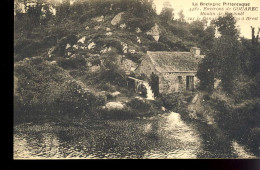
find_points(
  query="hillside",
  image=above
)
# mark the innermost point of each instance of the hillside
(94, 43)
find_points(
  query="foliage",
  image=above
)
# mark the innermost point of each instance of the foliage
(172, 101)
(239, 120)
(139, 105)
(166, 14)
(44, 88)
(181, 16)
(110, 71)
(224, 60)
(154, 83)
(226, 25)
(76, 62)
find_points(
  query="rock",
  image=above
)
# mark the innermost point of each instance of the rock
(53, 62)
(97, 27)
(132, 51)
(91, 45)
(108, 29)
(114, 106)
(156, 37)
(95, 68)
(115, 94)
(105, 50)
(109, 33)
(50, 52)
(98, 19)
(52, 10)
(75, 47)
(163, 109)
(116, 20)
(125, 48)
(68, 46)
(83, 47)
(155, 32)
(82, 40)
(138, 30)
(216, 82)
(87, 28)
(138, 40)
(122, 26)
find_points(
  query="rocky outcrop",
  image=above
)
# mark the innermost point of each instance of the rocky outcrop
(154, 32)
(82, 40)
(91, 45)
(116, 20)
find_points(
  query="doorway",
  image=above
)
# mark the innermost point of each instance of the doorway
(190, 83)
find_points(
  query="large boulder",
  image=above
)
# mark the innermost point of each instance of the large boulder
(114, 106)
(116, 20)
(154, 32)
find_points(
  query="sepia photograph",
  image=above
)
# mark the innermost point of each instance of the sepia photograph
(136, 79)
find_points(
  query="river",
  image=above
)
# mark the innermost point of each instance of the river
(164, 136)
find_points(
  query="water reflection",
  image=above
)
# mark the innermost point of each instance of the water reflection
(161, 136)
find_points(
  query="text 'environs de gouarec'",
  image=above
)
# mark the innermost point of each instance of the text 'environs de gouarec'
(236, 6)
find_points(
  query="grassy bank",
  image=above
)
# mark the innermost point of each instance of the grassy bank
(228, 120)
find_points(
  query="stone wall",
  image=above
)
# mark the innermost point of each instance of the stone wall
(146, 67)
(170, 82)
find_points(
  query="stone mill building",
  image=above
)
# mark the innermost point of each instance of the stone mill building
(176, 71)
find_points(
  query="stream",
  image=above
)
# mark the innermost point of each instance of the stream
(164, 136)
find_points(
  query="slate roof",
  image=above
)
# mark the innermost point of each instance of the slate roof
(165, 61)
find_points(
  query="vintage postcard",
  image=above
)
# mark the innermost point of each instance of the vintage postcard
(136, 79)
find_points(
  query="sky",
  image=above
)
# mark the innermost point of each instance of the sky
(243, 26)
(186, 5)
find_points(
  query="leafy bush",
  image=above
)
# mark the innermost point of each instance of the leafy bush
(246, 88)
(139, 105)
(173, 101)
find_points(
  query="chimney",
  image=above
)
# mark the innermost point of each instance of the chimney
(195, 51)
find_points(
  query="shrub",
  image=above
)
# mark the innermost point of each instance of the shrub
(45, 89)
(139, 105)
(173, 101)
(246, 88)
(125, 113)
(158, 46)
(72, 62)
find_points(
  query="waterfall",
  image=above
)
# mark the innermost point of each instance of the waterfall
(150, 95)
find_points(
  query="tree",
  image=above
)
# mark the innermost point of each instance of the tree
(224, 59)
(154, 83)
(181, 16)
(207, 39)
(166, 14)
(226, 25)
